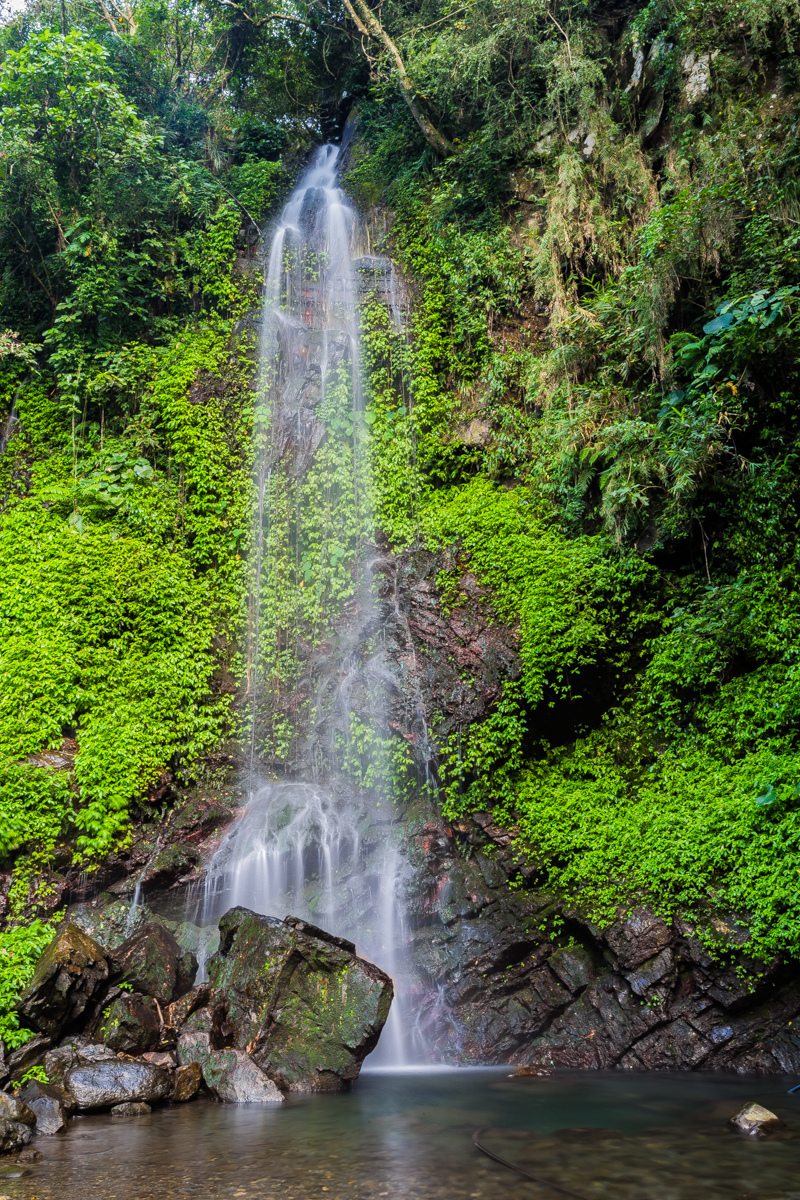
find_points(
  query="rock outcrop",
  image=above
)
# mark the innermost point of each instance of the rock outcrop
(301, 1001)
(525, 980)
(71, 975)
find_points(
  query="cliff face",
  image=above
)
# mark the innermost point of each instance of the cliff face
(517, 975)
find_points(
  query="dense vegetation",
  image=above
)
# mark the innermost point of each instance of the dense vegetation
(593, 398)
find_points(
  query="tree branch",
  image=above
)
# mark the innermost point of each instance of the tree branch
(258, 22)
(370, 26)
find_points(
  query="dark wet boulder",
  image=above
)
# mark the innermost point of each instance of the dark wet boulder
(235, 1078)
(30, 1054)
(71, 976)
(180, 1010)
(71, 1053)
(116, 1081)
(131, 1024)
(153, 963)
(15, 1109)
(301, 1002)
(188, 1081)
(13, 1136)
(50, 1105)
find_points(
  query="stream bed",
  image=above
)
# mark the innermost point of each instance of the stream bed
(407, 1135)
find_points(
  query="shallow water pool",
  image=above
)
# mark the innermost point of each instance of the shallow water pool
(408, 1134)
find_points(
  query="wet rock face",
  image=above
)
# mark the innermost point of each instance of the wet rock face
(188, 1080)
(519, 979)
(454, 665)
(131, 1024)
(72, 972)
(50, 1106)
(152, 962)
(235, 1078)
(114, 1081)
(15, 1109)
(13, 1136)
(301, 1002)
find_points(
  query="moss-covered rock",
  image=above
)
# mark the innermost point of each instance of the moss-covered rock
(302, 1002)
(73, 971)
(152, 962)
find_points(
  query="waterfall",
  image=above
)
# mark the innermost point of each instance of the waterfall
(318, 836)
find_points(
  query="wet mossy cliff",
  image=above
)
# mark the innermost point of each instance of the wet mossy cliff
(581, 376)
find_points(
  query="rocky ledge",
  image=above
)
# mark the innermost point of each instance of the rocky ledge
(287, 1007)
(519, 977)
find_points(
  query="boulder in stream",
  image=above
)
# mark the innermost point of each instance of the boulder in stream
(234, 1078)
(756, 1120)
(13, 1136)
(50, 1105)
(117, 1081)
(302, 1003)
(70, 1053)
(72, 972)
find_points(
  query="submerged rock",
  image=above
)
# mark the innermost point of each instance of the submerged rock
(303, 1004)
(154, 964)
(756, 1120)
(73, 971)
(103, 1084)
(134, 1108)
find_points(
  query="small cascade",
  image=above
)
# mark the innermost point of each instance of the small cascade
(8, 427)
(320, 841)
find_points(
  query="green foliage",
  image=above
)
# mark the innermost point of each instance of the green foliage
(20, 949)
(259, 185)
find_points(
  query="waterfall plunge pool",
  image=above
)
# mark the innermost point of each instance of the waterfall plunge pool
(407, 1135)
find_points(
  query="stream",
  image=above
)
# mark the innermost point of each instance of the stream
(407, 1135)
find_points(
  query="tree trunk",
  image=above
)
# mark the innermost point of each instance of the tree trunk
(371, 27)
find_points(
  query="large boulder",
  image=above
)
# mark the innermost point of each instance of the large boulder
(71, 1053)
(152, 962)
(302, 1003)
(71, 975)
(131, 1024)
(115, 1081)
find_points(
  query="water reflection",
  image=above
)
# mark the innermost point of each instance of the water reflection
(408, 1135)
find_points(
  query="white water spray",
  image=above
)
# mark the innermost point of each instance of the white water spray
(319, 847)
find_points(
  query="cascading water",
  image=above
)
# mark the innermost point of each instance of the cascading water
(319, 844)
